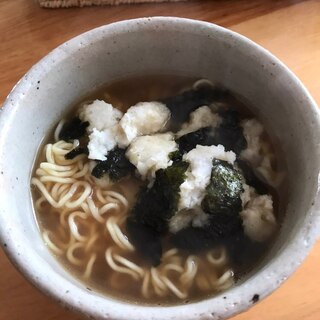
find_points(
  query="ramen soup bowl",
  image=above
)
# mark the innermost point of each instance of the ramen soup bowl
(149, 46)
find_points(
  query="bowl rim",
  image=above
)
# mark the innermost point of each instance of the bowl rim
(217, 307)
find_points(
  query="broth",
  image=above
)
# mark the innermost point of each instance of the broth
(88, 260)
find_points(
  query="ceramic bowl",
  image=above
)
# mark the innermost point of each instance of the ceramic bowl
(158, 46)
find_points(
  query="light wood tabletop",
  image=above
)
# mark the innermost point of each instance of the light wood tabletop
(290, 29)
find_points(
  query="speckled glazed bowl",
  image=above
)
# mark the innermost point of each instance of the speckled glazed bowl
(158, 46)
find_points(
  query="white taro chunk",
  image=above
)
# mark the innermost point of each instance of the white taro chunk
(252, 131)
(151, 153)
(259, 222)
(246, 194)
(195, 217)
(266, 171)
(102, 118)
(200, 118)
(144, 118)
(100, 115)
(100, 143)
(193, 189)
(258, 152)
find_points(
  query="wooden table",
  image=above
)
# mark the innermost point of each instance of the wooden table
(289, 28)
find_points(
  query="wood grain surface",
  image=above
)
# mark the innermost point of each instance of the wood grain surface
(289, 29)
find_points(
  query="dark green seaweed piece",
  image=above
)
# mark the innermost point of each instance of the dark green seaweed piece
(156, 205)
(73, 129)
(251, 179)
(225, 230)
(186, 102)
(198, 239)
(224, 190)
(152, 209)
(148, 220)
(203, 136)
(243, 252)
(175, 156)
(75, 152)
(145, 240)
(116, 166)
(230, 133)
(230, 117)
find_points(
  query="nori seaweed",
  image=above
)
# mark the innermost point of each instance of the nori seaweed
(145, 240)
(75, 152)
(203, 136)
(219, 228)
(224, 190)
(73, 129)
(183, 104)
(230, 133)
(155, 206)
(116, 166)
